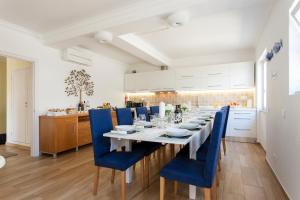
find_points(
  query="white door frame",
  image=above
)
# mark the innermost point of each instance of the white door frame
(261, 112)
(34, 148)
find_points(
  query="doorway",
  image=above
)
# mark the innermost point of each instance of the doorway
(18, 105)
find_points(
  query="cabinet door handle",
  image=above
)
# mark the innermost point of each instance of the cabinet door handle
(239, 113)
(242, 129)
(213, 86)
(240, 118)
(237, 85)
(214, 74)
(186, 76)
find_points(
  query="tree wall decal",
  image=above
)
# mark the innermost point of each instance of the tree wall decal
(79, 82)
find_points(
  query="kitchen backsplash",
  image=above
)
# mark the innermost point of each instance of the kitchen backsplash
(197, 99)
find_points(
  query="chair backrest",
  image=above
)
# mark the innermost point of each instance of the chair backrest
(124, 116)
(101, 122)
(213, 151)
(142, 111)
(154, 110)
(227, 110)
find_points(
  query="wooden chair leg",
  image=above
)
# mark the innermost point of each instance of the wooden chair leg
(214, 190)
(143, 173)
(159, 157)
(123, 185)
(218, 178)
(207, 193)
(172, 147)
(113, 174)
(147, 169)
(134, 167)
(175, 187)
(162, 188)
(96, 181)
(224, 145)
(164, 154)
(219, 162)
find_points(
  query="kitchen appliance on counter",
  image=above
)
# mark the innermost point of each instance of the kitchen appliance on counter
(132, 104)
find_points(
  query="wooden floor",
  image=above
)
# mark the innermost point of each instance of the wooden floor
(245, 175)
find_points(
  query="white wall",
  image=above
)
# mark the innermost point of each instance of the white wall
(50, 72)
(283, 142)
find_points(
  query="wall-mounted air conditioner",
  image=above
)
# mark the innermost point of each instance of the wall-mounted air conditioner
(78, 55)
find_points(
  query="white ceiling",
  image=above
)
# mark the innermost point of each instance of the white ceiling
(228, 30)
(216, 26)
(43, 16)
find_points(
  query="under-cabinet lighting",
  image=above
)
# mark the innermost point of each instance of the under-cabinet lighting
(216, 91)
(141, 94)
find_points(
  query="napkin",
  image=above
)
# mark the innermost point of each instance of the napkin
(119, 132)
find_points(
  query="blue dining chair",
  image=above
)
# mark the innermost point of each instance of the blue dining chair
(201, 153)
(227, 109)
(154, 110)
(194, 172)
(101, 122)
(143, 111)
(124, 117)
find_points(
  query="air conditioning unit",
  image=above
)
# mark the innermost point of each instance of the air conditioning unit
(78, 55)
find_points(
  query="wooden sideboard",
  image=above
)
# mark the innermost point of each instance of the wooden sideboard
(62, 133)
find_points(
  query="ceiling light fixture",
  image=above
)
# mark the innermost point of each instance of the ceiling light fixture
(178, 18)
(104, 37)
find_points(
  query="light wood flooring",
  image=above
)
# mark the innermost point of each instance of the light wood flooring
(245, 175)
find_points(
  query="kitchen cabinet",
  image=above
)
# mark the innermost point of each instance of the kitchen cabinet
(241, 75)
(62, 133)
(150, 81)
(242, 123)
(215, 77)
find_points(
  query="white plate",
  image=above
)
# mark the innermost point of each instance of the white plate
(196, 121)
(189, 125)
(143, 123)
(125, 128)
(177, 132)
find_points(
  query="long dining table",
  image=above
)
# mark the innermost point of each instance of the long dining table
(158, 135)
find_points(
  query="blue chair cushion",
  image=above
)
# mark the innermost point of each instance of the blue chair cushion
(154, 110)
(146, 147)
(119, 160)
(186, 171)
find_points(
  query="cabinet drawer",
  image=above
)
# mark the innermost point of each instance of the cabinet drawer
(84, 133)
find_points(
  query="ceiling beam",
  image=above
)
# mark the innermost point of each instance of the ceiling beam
(138, 11)
(136, 46)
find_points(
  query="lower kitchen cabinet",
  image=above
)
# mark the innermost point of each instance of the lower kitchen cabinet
(242, 124)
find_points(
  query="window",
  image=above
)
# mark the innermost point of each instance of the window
(294, 49)
(262, 82)
(264, 86)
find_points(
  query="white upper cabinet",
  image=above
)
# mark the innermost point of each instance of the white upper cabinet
(241, 75)
(150, 81)
(216, 77)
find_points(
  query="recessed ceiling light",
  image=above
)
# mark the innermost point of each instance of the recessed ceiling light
(104, 37)
(178, 18)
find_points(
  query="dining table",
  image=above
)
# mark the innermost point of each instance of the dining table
(158, 135)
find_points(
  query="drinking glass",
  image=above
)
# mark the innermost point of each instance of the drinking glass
(142, 117)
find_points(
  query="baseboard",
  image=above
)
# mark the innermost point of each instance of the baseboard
(241, 139)
(20, 146)
(277, 178)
